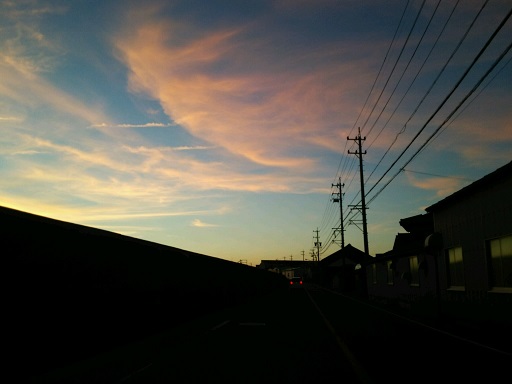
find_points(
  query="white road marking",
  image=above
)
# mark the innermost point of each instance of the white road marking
(252, 324)
(135, 373)
(220, 325)
(357, 367)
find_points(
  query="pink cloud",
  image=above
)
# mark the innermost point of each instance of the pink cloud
(443, 186)
(263, 114)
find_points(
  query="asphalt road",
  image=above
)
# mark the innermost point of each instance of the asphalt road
(307, 335)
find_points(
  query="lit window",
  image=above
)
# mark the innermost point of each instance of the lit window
(501, 262)
(455, 267)
(413, 268)
(390, 272)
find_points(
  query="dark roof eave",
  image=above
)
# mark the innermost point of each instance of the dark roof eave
(484, 182)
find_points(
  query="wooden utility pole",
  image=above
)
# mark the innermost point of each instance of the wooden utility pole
(339, 199)
(359, 153)
(318, 244)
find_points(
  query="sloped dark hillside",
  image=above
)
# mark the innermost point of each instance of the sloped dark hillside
(73, 290)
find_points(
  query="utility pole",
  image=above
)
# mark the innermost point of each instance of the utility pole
(302, 266)
(359, 153)
(336, 200)
(318, 244)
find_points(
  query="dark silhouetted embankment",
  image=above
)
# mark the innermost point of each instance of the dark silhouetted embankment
(73, 291)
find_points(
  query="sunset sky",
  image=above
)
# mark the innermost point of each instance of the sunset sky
(219, 127)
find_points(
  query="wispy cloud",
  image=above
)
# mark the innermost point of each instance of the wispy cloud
(189, 148)
(443, 186)
(201, 224)
(23, 45)
(156, 118)
(10, 119)
(146, 125)
(32, 92)
(265, 115)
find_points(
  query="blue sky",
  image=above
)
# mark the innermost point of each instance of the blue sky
(219, 127)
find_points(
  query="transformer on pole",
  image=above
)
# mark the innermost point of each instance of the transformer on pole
(339, 199)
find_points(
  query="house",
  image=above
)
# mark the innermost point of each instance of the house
(404, 277)
(455, 261)
(289, 268)
(343, 270)
(474, 229)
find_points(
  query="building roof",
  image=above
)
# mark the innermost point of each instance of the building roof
(284, 264)
(352, 256)
(502, 173)
(405, 244)
(422, 223)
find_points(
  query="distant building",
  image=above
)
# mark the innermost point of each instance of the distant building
(289, 268)
(344, 270)
(455, 261)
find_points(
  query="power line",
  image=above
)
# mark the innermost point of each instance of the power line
(348, 172)
(410, 86)
(433, 174)
(407, 65)
(381, 66)
(347, 217)
(348, 163)
(395, 64)
(476, 96)
(447, 97)
(504, 52)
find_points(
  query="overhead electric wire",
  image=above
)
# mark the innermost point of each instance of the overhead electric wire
(334, 228)
(382, 65)
(403, 72)
(341, 171)
(445, 99)
(331, 212)
(496, 62)
(350, 163)
(395, 64)
(351, 215)
(509, 47)
(328, 207)
(328, 243)
(406, 92)
(476, 96)
(328, 223)
(433, 174)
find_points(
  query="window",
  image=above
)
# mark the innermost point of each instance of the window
(413, 269)
(500, 255)
(390, 272)
(455, 267)
(374, 273)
